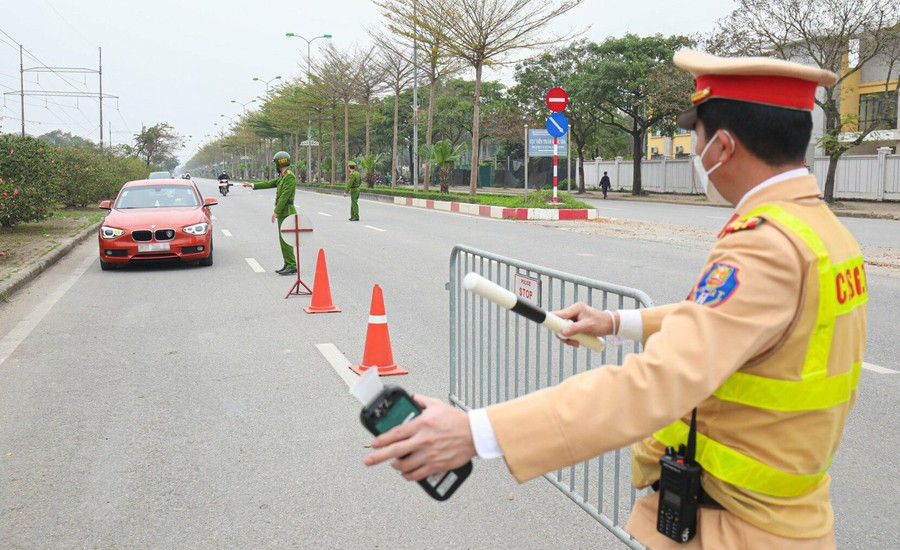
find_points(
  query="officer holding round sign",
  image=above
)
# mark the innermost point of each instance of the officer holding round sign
(285, 186)
(767, 347)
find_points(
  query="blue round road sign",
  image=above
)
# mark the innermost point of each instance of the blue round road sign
(557, 125)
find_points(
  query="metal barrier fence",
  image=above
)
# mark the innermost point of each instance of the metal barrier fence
(496, 355)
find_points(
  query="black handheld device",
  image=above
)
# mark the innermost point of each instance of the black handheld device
(393, 407)
(679, 489)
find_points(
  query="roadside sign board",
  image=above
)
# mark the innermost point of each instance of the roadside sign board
(557, 125)
(528, 289)
(556, 99)
(308, 143)
(540, 143)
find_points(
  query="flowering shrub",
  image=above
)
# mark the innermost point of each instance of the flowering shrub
(27, 174)
(37, 176)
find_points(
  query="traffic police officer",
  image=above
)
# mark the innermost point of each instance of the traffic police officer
(767, 346)
(285, 185)
(353, 183)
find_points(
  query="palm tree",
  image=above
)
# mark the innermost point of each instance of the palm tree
(370, 163)
(443, 155)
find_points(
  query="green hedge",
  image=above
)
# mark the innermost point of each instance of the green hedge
(536, 199)
(35, 175)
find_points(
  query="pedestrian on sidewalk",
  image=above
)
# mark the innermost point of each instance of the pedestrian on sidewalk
(353, 182)
(604, 184)
(285, 185)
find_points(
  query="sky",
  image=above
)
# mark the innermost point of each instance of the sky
(184, 61)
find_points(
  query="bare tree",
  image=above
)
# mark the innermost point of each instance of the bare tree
(369, 83)
(339, 72)
(397, 61)
(437, 65)
(843, 36)
(480, 33)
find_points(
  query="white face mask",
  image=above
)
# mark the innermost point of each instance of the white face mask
(711, 192)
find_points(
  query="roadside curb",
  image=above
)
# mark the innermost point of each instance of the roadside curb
(498, 212)
(29, 273)
(841, 212)
(501, 212)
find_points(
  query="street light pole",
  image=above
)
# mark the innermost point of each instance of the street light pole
(308, 82)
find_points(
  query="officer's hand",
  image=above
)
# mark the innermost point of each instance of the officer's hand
(587, 320)
(438, 440)
(246, 184)
(273, 217)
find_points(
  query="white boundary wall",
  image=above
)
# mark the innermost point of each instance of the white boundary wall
(870, 177)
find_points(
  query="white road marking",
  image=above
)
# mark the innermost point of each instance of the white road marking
(324, 214)
(254, 265)
(587, 254)
(226, 232)
(215, 218)
(376, 228)
(24, 327)
(339, 363)
(879, 370)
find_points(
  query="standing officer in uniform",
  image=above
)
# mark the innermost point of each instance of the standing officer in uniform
(767, 345)
(353, 183)
(286, 185)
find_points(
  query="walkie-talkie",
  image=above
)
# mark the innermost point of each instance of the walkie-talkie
(679, 489)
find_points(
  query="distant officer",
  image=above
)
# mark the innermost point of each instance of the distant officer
(286, 185)
(767, 346)
(353, 183)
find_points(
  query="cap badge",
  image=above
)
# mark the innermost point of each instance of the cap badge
(700, 95)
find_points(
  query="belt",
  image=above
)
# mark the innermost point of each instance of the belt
(705, 499)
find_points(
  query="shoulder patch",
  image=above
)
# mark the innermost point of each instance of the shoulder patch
(716, 285)
(742, 224)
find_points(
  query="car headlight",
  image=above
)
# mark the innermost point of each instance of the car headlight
(197, 229)
(108, 232)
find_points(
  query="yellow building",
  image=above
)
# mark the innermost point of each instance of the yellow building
(678, 146)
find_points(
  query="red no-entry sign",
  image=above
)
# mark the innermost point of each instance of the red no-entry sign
(557, 99)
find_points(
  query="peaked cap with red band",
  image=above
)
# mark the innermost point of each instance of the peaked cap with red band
(761, 80)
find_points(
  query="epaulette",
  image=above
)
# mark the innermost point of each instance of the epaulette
(740, 225)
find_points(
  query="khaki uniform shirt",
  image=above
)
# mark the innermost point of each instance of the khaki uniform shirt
(762, 327)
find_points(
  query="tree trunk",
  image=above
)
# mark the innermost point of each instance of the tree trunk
(833, 151)
(431, 88)
(476, 120)
(368, 123)
(580, 147)
(333, 145)
(319, 149)
(394, 147)
(445, 180)
(638, 136)
(346, 139)
(829, 177)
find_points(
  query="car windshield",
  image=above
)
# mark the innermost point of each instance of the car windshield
(157, 197)
(160, 176)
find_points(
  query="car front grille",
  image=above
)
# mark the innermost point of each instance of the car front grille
(142, 235)
(165, 234)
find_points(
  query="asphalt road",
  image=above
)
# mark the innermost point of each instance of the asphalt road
(178, 406)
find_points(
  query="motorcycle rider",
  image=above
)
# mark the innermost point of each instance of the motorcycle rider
(224, 183)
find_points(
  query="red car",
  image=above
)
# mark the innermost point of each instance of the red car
(156, 220)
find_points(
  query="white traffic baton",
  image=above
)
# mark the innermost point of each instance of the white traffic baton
(500, 296)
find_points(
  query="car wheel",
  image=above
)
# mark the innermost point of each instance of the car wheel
(106, 266)
(208, 261)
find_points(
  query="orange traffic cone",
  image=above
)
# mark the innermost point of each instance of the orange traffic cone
(378, 342)
(321, 295)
